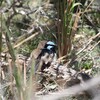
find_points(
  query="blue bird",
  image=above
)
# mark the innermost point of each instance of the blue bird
(50, 47)
(47, 55)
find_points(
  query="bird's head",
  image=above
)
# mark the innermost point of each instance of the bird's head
(51, 46)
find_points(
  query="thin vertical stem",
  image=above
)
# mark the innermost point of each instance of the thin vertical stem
(11, 50)
(65, 14)
(1, 36)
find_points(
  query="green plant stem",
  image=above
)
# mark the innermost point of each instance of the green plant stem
(12, 53)
(65, 13)
(1, 36)
(8, 42)
(0, 42)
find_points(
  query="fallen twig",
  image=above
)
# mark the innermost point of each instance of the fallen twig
(90, 40)
(95, 45)
(25, 40)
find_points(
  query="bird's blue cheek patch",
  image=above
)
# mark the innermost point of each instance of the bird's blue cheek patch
(49, 47)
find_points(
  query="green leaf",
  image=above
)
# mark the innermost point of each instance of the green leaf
(74, 5)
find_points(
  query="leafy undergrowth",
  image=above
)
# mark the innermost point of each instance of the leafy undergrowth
(84, 60)
(26, 24)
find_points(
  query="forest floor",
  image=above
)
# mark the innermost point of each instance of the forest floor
(85, 59)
